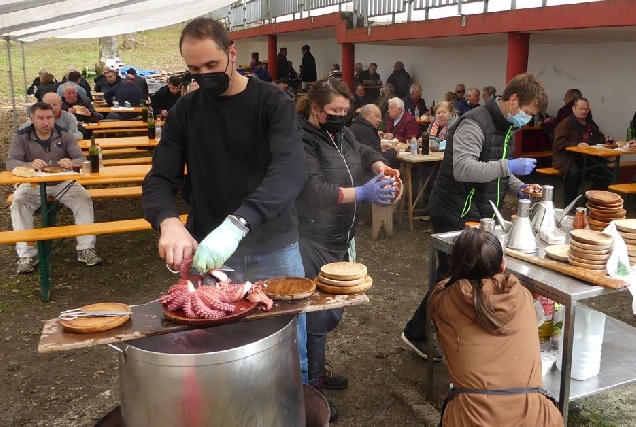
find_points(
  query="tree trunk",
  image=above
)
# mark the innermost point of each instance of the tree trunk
(108, 48)
(129, 41)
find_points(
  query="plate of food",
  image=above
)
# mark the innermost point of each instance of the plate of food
(82, 110)
(533, 190)
(52, 169)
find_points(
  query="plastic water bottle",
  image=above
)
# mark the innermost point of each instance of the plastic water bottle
(416, 113)
(413, 146)
(158, 128)
(101, 157)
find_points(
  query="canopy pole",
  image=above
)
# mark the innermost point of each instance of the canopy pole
(24, 72)
(15, 113)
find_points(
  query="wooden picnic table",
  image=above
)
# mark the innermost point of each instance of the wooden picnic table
(408, 160)
(599, 157)
(116, 125)
(123, 142)
(109, 109)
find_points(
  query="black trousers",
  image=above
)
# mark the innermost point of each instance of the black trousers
(415, 329)
(574, 178)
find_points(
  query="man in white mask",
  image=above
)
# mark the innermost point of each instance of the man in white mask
(478, 167)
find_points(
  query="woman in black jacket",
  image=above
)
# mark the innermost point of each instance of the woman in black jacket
(327, 206)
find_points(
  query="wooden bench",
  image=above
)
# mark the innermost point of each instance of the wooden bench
(118, 151)
(41, 235)
(128, 161)
(623, 188)
(107, 193)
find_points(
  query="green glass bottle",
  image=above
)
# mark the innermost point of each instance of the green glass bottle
(151, 124)
(630, 131)
(93, 155)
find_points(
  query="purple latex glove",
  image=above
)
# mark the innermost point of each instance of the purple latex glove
(522, 166)
(521, 194)
(378, 190)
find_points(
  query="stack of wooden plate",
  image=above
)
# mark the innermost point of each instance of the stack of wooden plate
(627, 230)
(343, 278)
(589, 249)
(603, 207)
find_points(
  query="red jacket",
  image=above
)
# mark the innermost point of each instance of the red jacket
(406, 128)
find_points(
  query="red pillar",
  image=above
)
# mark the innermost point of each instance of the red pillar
(272, 63)
(517, 63)
(348, 59)
(518, 49)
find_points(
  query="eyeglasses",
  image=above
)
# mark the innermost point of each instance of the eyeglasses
(461, 91)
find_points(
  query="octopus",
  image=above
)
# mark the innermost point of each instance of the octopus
(201, 301)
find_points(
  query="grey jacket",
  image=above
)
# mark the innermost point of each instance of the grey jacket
(25, 148)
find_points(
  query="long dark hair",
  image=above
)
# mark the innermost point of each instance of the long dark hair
(477, 255)
(321, 92)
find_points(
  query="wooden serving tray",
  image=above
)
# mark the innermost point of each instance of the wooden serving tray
(343, 270)
(89, 325)
(590, 237)
(603, 197)
(346, 290)
(288, 288)
(243, 308)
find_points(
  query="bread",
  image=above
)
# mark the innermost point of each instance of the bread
(24, 171)
(80, 109)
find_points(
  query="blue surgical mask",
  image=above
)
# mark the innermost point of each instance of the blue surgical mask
(520, 119)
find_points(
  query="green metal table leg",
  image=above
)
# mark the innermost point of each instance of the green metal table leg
(45, 248)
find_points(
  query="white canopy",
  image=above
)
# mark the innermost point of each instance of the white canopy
(31, 20)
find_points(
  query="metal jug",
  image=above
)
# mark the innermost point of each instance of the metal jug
(521, 237)
(543, 218)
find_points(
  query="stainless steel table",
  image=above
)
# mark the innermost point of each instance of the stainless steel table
(619, 342)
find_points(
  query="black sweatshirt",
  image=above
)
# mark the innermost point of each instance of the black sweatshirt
(244, 155)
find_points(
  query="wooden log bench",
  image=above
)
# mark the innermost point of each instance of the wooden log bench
(41, 235)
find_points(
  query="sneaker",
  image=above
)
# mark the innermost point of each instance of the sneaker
(27, 264)
(89, 257)
(331, 381)
(420, 347)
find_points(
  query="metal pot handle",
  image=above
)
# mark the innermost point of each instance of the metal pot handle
(122, 351)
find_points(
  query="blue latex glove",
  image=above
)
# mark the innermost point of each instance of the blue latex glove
(522, 166)
(378, 190)
(218, 246)
(521, 194)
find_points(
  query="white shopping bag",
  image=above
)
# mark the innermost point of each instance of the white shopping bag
(618, 265)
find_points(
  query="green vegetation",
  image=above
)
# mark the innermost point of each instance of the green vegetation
(156, 50)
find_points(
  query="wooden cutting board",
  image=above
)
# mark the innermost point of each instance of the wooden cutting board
(363, 287)
(585, 275)
(343, 270)
(88, 325)
(626, 225)
(590, 237)
(288, 288)
(558, 252)
(603, 197)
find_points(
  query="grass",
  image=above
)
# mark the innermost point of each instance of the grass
(156, 50)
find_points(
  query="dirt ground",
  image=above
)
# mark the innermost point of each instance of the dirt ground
(76, 388)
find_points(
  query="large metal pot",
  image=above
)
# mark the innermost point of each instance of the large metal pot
(243, 374)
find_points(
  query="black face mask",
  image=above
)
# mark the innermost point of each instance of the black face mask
(333, 124)
(213, 84)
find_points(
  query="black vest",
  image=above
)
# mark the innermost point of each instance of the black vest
(452, 203)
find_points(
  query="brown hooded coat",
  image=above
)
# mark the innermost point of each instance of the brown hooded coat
(477, 359)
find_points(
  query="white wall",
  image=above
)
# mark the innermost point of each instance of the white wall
(603, 71)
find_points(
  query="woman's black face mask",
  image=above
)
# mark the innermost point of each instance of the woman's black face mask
(213, 84)
(333, 123)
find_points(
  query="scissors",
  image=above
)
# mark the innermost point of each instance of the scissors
(76, 313)
(222, 268)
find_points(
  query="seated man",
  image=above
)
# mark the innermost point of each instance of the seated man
(165, 98)
(39, 145)
(335, 72)
(358, 97)
(127, 91)
(74, 79)
(63, 119)
(81, 108)
(262, 72)
(414, 101)
(283, 84)
(110, 80)
(141, 82)
(400, 124)
(365, 129)
(36, 82)
(578, 129)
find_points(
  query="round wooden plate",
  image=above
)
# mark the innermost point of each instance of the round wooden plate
(588, 258)
(363, 287)
(333, 282)
(343, 270)
(627, 235)
(605, 206)
(626, 225)
(587, 266)
(88, 325)
(629, 241)
(618, 214)
(288, 288)
(597, 223)
(603, 197)
(599, 249)
(591, 237)
(243, 308)
(558, 252)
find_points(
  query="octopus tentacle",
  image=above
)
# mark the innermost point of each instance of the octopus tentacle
(178, 301)
(202, 309)
(188, 309)
(212, 300)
